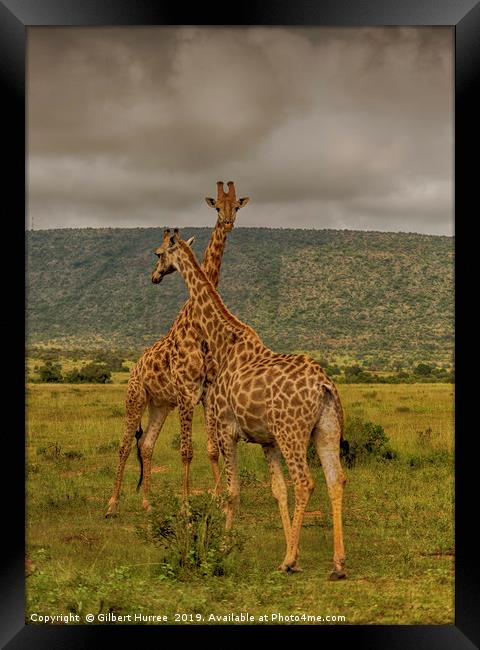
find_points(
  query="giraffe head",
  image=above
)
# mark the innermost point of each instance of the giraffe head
(164, 252)
(227, 205)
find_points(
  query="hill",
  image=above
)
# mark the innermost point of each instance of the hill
(366, 295)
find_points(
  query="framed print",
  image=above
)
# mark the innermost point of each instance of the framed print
(337, 242)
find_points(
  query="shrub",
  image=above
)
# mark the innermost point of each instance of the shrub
(356, 375)
(73, 454)
(50, 372)
(423, 369)
(248, 477)
(364, 440)
(111, 362)
(191, 536)
(92, 373)
(331, 370)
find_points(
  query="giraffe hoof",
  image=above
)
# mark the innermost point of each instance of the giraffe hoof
(285, 568)
(294, 569)
(111, 515)
(337, 575)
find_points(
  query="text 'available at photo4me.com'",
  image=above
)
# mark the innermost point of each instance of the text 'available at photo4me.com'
(186, 618)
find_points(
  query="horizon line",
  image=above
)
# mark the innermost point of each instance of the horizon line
(384, 232)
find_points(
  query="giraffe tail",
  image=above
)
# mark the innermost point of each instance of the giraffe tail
(138, 435)
(331, 389)
(344, 444)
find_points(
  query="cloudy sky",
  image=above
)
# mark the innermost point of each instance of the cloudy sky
(321, 127)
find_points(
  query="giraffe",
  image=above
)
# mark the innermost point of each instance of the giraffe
(279, 401)
(173, 372)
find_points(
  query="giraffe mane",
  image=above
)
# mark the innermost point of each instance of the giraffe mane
(230, 319)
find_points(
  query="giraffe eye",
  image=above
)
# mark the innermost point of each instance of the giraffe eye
(217, 209)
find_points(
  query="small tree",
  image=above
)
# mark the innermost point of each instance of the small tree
(423, 369)
(332, 370)
(51, 373)
(356, 375)
(92, 373)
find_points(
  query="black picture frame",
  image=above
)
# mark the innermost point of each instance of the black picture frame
(15, 17)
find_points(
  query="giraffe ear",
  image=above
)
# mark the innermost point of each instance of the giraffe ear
(190, 241)
(210, 202)
(243, 202)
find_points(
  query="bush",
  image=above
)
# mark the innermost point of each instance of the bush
(50, 372)
(248, 477)
(423, 369)
(111, 362)
(331, 370)
(364, 440)
(192, 538)
(356, 375)
(92, 373)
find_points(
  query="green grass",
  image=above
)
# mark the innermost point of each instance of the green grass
(398, 518)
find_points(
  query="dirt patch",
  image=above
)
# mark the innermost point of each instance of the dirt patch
(440, 555)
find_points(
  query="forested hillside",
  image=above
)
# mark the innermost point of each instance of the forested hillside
(370, 295)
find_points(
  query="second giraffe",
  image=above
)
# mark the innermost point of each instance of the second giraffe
(174, 371)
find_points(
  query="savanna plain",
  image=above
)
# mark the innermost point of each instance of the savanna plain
(398, 519)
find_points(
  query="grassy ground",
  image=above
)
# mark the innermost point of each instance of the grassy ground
(398, 519)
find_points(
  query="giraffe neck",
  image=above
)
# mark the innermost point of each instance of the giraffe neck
(212, 259)
(218, 326)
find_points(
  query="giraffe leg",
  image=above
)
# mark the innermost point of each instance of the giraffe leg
(185, 410)
(135, 405)
(335, 479)
(279, 487)
(335, 482)
(146, 444)
(228, 447)
(212, 445)
(327, 441)
(298, 469)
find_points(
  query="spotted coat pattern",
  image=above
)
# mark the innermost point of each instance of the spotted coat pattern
(279, 401)
(175, 371)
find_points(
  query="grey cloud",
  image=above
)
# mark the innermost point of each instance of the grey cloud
(129, 126)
